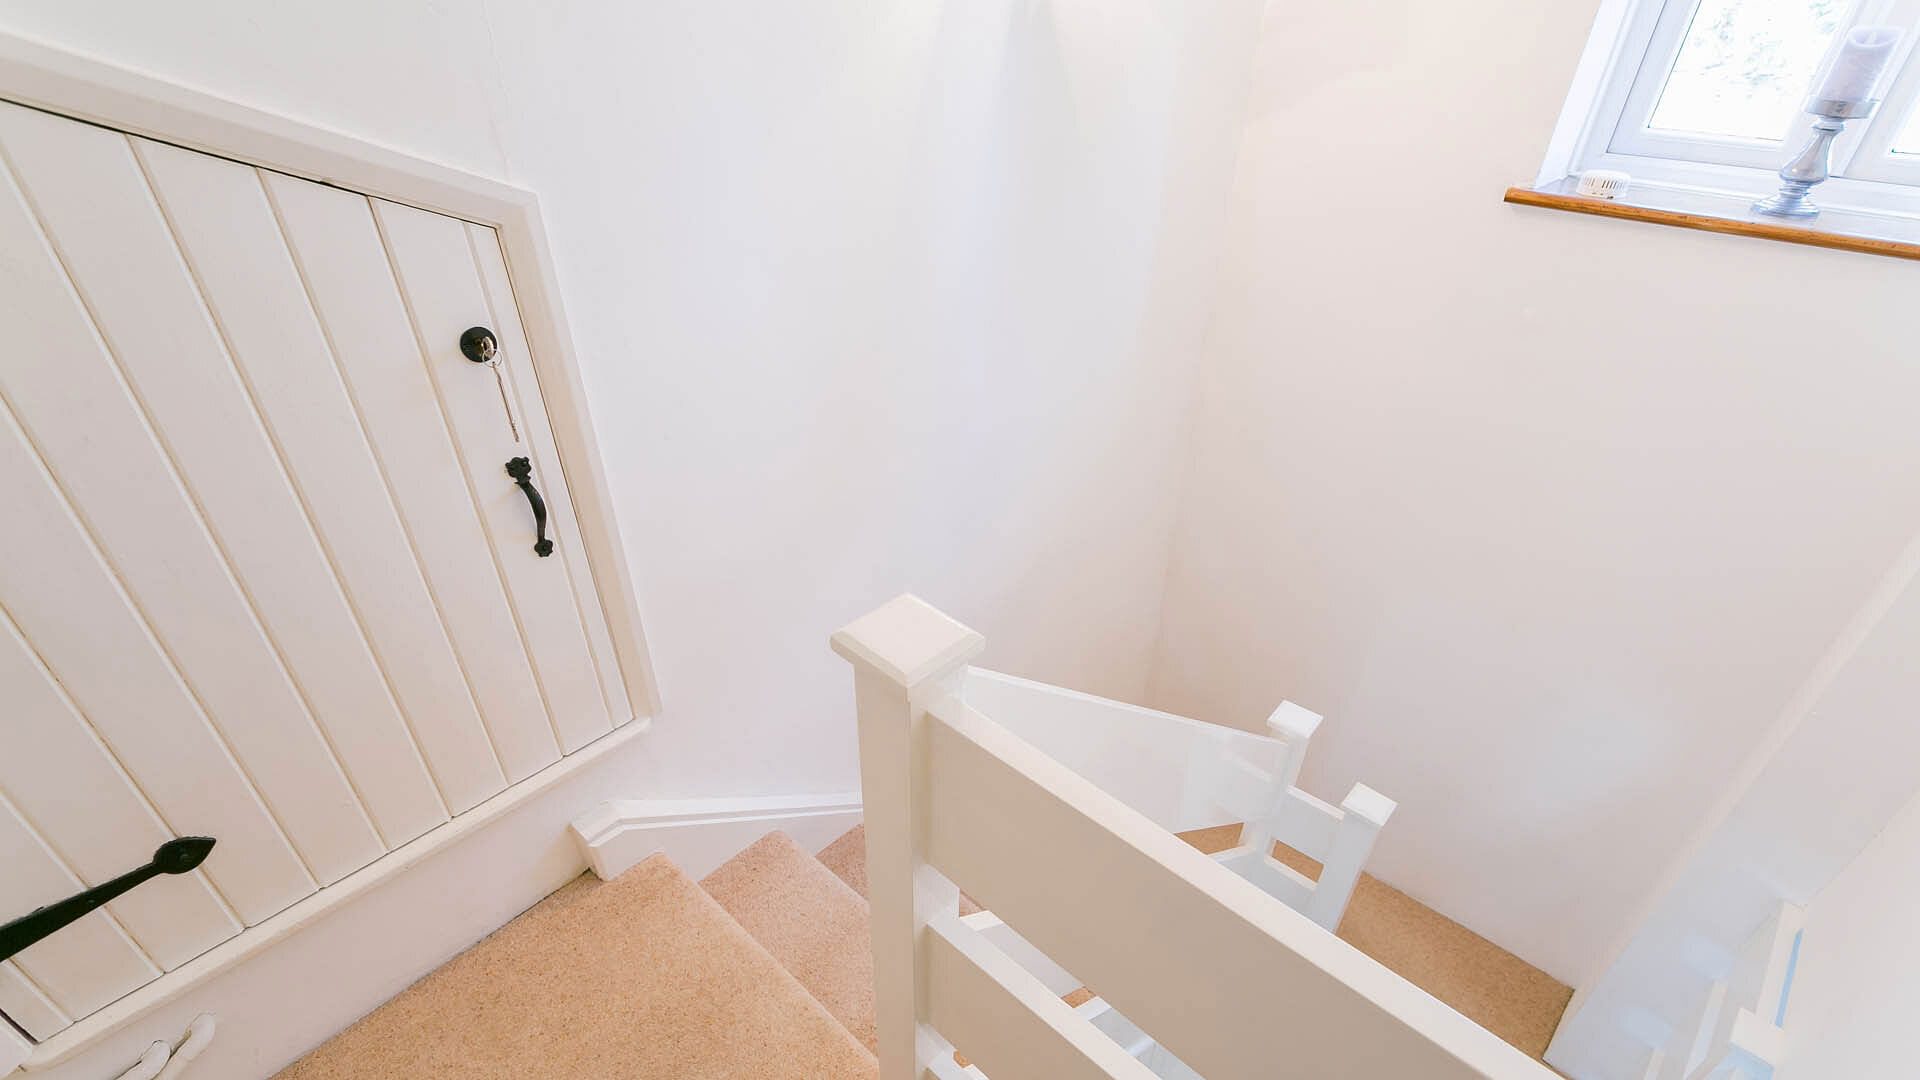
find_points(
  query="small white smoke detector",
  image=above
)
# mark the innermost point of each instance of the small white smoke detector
(1604, 183)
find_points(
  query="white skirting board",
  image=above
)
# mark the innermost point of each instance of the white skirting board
(700, 834)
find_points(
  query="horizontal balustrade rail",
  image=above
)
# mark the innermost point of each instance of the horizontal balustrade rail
(1183, 773)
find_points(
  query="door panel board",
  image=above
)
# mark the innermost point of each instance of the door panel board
(67, 389)
(71, 604)
(334, 240)
(231, 239)
(83, 966)
(437, 276)
(546, 460)
(59, 776)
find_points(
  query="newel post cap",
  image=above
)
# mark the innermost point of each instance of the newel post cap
(1294, 723)
(908, 640)
(1369, 805)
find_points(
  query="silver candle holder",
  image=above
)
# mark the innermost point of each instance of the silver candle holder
(1813, 165)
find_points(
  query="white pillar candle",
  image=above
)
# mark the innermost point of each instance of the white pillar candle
(1863, 55)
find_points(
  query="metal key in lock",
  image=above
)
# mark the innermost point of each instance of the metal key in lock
(480, 346)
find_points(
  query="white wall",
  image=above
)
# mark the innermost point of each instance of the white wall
(871, 295)
(1855, 993)
(1549, 515)
(1813, 794)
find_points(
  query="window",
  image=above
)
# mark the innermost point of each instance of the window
(1709, 95)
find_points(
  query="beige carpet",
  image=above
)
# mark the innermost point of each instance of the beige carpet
(808, 919)
(1483, 982)
(766, 972)
(641, 978)
(847, 858)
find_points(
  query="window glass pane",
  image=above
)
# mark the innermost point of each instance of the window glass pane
(1745, 67)
(1908, 141)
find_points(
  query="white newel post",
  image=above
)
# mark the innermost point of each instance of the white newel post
(1363, 813)
(1294, 726)
(904, 654)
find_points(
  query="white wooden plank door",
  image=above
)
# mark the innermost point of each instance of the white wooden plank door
(267, 578)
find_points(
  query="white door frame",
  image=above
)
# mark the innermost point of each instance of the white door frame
(57, 81)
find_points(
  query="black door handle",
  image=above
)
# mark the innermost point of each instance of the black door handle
(174, 857)
(522, 472)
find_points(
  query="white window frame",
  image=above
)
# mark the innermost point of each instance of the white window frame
(1635, 45)
(1873, 158)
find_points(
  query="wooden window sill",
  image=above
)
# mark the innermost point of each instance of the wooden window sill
(1837, 229)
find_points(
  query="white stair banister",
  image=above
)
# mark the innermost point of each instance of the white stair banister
(1687, 1048)
(1734, 1030)
(1294, 727)
(1193, 955)
(903, 653)
(1364, 812)
(1185, 774)
(1740, 1036)
(1339, 839)
(1018, 1027)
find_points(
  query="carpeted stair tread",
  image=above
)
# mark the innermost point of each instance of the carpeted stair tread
(639, 978)
(847, 858)
(808, 919)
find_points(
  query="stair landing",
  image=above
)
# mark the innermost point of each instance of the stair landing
(1478, 979)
